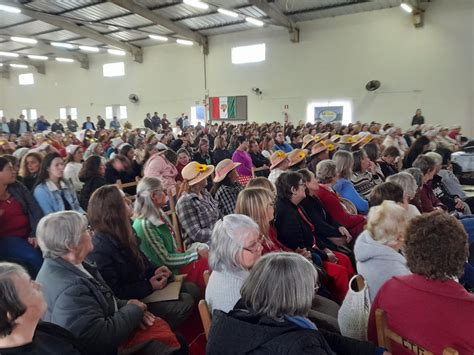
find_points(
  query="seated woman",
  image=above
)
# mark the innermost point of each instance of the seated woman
(226, 186)
(183, 159)
(52, 192)
(119, 260)
(251, 202)
(260, 163)
(196, 209)
(280, 164)
(74, 165)
(29, 169)
(388, 161)
(326, 173)
(431, 298)
(163, 166)
(220, 150)
(364, 176)
(19, 216)
(157, 235)
(377, 250)
(393, 191)
(92, 176)
(79, 300)
(272, 314)
(296, 230)
(344, 186)
(235, 247)
(21, 329)
(120, 168)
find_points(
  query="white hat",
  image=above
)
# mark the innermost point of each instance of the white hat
(20, 153)
(71, 149)
(161, 146)
(159, 136)
(115, 142)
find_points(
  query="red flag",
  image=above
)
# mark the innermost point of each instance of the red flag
(215, 113)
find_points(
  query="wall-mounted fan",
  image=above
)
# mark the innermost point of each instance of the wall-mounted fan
(372, 85)
(133, 98)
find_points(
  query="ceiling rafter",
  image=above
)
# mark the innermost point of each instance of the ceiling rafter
(60, 22)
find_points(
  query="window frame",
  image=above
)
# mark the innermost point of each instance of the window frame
(239, 51)
(110, 70)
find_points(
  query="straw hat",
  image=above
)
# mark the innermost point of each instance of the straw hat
(318, 148)
(335, 138)
(329, 145)
(195, 172)
(307, 140)
(296, 156)
(223, 168)
(346, 139)
(322, 136)
(277, 158)
(364, 140)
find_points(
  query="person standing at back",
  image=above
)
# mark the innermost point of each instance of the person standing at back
(418, 118)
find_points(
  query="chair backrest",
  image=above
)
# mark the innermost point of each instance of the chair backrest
(386, 336)
(205, 275)
(174, 219)
(206, 317)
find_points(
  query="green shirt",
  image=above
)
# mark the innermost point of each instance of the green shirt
(158, 244)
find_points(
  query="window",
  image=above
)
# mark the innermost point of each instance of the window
(113, 69)
(1, 113)
(116, 110)
(65, 111)
(198, 115)
(248, 54)
(30, 114)
(26, 79)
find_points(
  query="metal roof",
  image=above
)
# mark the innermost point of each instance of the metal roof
(120, 26)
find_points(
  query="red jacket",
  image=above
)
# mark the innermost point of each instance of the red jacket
(432, 314)
(428, 199)
(354, 223)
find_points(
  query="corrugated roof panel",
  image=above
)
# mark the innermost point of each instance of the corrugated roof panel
(147, 43)
(129, 21)
(227, 29)
(8, 19)
(298, 5)
(196, 23)
(230, 4)
(46, 6)
(31, 28)
(98, 12)
(126, 35)
(58, 36)
(156, 29)
(101, 27)
(72, 4)
(252, 11)
(154, 3)
(180, 10)
(11, 46)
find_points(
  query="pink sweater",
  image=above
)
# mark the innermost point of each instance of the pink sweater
(160, 167)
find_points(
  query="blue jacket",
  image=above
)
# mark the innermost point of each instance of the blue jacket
(345, 188)
(285, 147)
(49, 197)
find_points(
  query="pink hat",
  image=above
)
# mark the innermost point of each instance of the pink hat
(223, 168)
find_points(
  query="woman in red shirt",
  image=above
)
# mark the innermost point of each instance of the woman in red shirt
(19, 215)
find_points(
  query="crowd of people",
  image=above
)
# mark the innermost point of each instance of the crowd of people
(284, 217)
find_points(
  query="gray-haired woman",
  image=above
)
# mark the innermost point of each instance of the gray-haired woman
(21, 307)
(410, 188)
(78, 298)
(235, 247)
(272, 318)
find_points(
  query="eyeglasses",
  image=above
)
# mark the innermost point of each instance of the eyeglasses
(254, 248)
(89, 229)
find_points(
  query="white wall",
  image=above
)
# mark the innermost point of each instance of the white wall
(431, 68)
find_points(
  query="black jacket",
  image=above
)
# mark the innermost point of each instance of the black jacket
(147, 123)
(30, 181)
(84, 125)
(417, 120)
(118, 268)
(442, 194)
(220, 154)
(201, 160)
(240, 332)
(112, 175)
(101, 124)
(17, 126)
(325, 226)
(292, 230)
(258, 160)
(387, 169)
(57, 127)
(88, 189)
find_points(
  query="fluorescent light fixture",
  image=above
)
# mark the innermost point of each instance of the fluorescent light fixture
(184, 42)
(63, 45)
(406, 7)
(8, 54)
(11, 9)
(89, 49)
(37, 57)
(1, 64)
(227, 12)
(254, 21)
(24, 40)
(115, 51)
(197, 4)
(19, 66)
(65, 60)
(159, 38)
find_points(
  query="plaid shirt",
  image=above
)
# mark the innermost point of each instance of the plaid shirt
(226, 197)
(197, 216)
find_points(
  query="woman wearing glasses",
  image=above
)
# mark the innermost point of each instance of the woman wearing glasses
(235, 248)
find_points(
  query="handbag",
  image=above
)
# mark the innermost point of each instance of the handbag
(354, 313)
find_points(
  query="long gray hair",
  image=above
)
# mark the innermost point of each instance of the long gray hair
(144, 206)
